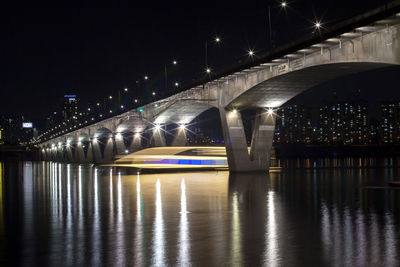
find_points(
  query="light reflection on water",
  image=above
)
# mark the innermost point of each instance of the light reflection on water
(82, 215)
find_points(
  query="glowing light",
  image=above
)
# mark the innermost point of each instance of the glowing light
(146, 77)
(270, 111)
(158, 126)
(174, 62)
(110, 111)
(251, 53)
(98, 104)
(283, 4)
(118, 135)
(94, 139)
(122, 106)
(153, 93)
(182, 126)
(208, 70)
(217, 39)
(88, 109)
(137, 135)
(140, 110)
(176, 84)
(110, 97)
(317, 24)
(126, 89)
(126, 151)
(136, 100)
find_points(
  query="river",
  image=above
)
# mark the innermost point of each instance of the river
(315, 213)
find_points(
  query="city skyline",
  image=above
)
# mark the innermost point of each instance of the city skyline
(72, 64)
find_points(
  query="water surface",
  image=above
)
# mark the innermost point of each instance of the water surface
(67, 214)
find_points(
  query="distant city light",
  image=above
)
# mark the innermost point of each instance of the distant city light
(217, 39)
(283, 4)
(153, 93)
(317, 24)
(126, 89)
(110, 97)
(251, 53)
(208, 70)
(146, 77)
(176, 84)
(174, 62)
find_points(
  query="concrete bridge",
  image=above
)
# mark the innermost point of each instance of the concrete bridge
(369, 41)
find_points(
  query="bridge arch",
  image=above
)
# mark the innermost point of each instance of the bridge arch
(276, 91)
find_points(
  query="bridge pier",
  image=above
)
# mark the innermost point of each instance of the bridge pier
(136, 142)
(179, 137)
(263, 135)
(237, 152)
(119, 144)
(158, 138)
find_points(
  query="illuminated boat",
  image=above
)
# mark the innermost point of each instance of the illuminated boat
(176, 158)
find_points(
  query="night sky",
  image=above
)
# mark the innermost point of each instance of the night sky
(94, 52)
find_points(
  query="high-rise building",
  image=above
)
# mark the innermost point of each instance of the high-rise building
(390, 122)
(70, 108)
(344, 123)
(293, 125)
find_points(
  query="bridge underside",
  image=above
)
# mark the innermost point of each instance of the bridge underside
(278, 90)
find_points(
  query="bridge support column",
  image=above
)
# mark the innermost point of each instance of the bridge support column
(136, 142)
(158, 138)
(263, 135)
(119, 144)
(180, 137)
(237, 152)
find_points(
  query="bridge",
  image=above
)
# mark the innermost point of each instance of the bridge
(366, 42)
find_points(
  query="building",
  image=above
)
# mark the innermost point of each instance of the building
(341, 123)
(294, 125)
(16, 130)
(70, 108)
(390, 122)
(344, 123)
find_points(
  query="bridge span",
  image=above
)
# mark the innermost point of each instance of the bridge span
(367, 42)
